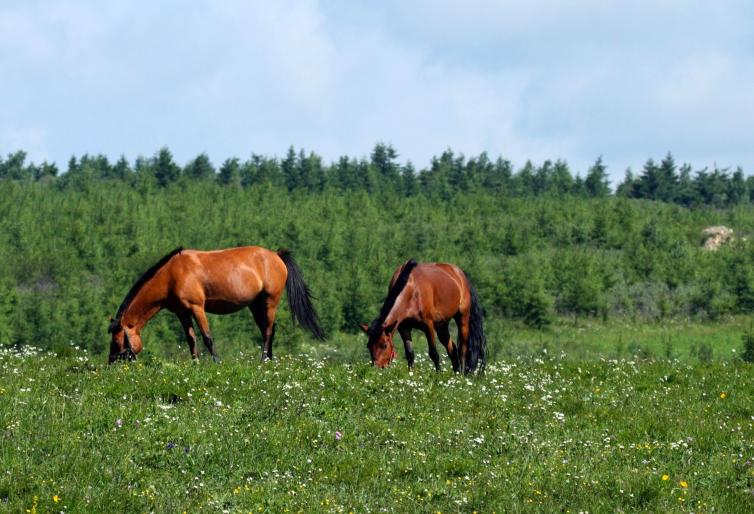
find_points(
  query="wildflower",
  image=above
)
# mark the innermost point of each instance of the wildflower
(118, 422)
(55, 498)
(665, 478)
(338, 435)
(170, 445)
(186, 449)
(723, 395)
(684, 484)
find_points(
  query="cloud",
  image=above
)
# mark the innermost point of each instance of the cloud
(545, 79)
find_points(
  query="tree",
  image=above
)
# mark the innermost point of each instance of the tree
(596, 182)
(290, 170)
(200, 168)
(230, 172)
(166, 170)
(311, 172)
(13, 168)
(383, 158)
(408, 177)
(524, 180)
(121, 169)
(667, 180)
(628, 188)
(45, 172)
(649, 181)
(737, 187)
(686, 193)
(561, 181)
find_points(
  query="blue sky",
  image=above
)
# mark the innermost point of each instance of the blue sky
(525, 80)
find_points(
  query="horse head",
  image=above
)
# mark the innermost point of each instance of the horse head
(380, 344)
(125, 342)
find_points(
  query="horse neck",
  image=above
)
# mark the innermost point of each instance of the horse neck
(143, 307)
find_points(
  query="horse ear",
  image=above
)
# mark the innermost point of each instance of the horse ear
(388, 328)
(364, 327)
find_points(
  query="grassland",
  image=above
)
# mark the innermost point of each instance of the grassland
(325, 432)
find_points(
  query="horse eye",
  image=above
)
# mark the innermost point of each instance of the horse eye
(383, 345)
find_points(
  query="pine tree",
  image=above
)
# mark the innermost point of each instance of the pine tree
(45, 172)
(230, 172)
(383, 159)
(290, 170)
(686, 193)
(561, 181)
(668, 180)
(200, 168)
(165, 169)
(649, 182)
(121, 169)
(408, 177)
(13, 168)
(737, 187)
(596, 182)
(627, 188)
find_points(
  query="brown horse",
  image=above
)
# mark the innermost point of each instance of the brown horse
(426, 297)
(191, 283)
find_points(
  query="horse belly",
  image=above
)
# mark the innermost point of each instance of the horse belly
(223, 306)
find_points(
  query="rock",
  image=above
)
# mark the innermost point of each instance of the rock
(715, 237)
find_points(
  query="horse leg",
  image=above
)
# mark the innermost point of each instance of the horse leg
(429, 331)
(407, 345)
(201, 320)
(188, 329)
(443, 334)
(462, 322)
(264, 310)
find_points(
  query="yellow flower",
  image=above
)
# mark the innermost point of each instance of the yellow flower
(56, 498)
(665, 477)
(722, 396)
(684, 484)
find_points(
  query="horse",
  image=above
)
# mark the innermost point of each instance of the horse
(426, 297)
(190, 283)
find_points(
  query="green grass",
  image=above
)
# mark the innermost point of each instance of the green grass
(541, 433)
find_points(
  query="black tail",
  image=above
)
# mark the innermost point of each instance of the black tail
(477, 353)
(299, 297)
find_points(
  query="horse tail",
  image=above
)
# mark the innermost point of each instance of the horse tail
(477, 352)
(299, 297)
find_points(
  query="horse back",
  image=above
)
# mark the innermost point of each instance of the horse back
(442, 287)
(235, 275)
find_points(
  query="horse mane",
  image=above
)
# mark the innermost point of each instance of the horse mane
(376, 326)
(138, 285)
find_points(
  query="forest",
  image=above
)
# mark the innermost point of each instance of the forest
(540, 243)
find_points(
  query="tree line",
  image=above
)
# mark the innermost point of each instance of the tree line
(447, 175)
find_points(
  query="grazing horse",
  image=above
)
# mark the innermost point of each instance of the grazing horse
(426, 297)
(191, 283)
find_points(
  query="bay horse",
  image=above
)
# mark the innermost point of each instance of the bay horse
(426, 297)
(191, 283)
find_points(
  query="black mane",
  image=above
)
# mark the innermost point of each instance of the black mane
(376, 326)
(139, 283)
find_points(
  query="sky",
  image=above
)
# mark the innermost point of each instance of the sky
(523, 80)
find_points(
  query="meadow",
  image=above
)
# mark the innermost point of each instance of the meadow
(307, 433)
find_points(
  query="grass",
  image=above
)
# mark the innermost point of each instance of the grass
(540, 433)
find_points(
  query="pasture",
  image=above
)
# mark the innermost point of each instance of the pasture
(326, 432)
